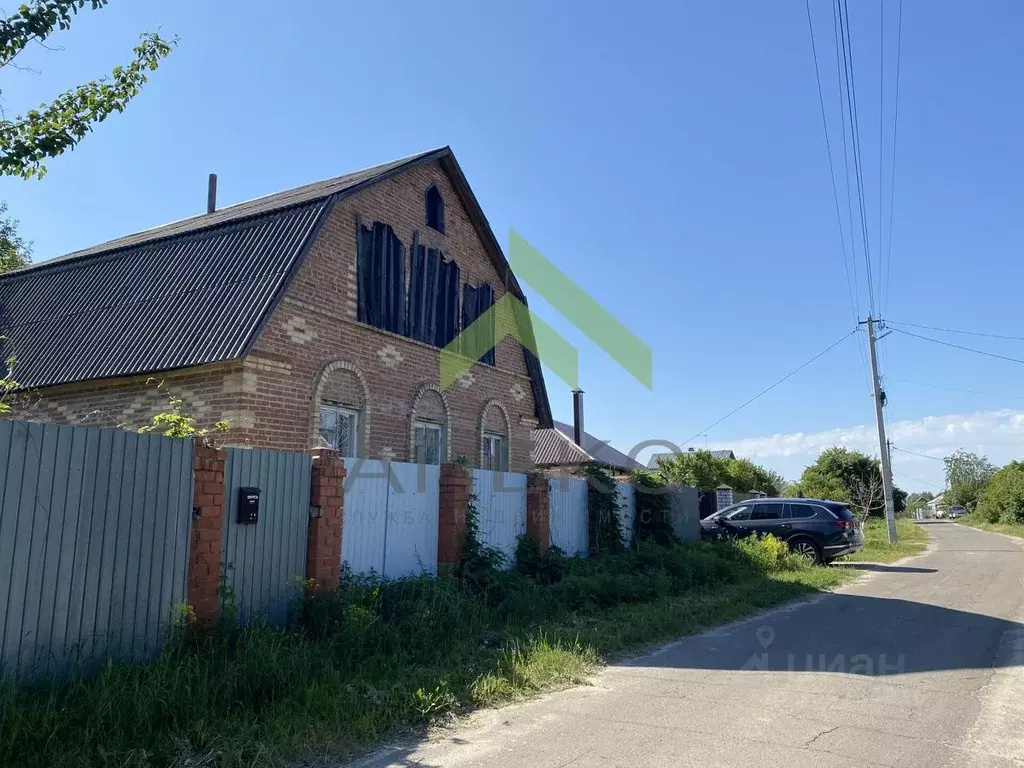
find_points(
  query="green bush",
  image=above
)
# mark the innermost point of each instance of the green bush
(543, 567)
(1003, 497)
(770, 554)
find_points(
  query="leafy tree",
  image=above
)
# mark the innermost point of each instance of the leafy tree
(694, 469)
(705, 472)
(840, 474)
(967, 474)
(15, 252)
(1002, 499)
(39, 134)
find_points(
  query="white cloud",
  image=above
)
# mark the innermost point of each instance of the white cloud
(997, 434)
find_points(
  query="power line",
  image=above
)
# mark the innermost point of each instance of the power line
(831, 168)
(858, 164)
(953, 330)
(892, 174)
(922, 482)
(919, 455)
(881, 146)
(959, 346)
(957, 389)
(768, 389)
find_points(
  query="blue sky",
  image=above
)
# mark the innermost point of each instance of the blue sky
(669, 157)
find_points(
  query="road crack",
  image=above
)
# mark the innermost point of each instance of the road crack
(823, 733)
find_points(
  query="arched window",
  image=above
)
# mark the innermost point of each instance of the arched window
(341, 405)
(429, 434)
(435, 209)
(495, 453)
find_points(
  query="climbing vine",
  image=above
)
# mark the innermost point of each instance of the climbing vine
(605, 511)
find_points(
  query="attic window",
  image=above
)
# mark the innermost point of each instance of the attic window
(435, 209)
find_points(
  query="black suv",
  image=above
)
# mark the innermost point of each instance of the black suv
(819, 530)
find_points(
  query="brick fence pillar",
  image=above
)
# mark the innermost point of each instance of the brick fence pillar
(451, 526)
(326, 494)
(206, 546)
(538, 509)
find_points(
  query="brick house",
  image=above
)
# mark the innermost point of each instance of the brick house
(311, 317)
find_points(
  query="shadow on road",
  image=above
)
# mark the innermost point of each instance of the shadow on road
(880, 568)
(846, 633)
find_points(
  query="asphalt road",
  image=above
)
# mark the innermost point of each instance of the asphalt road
(918, 664)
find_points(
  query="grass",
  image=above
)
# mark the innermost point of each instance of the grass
(1008, 529)
(910, 540)
(375, 659)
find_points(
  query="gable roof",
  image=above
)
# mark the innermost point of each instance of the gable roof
(196, 291)
(556, 446)
(652, 463)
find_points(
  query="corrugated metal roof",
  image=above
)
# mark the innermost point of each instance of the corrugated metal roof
(160, 305)
(557, 447)
(551, 447)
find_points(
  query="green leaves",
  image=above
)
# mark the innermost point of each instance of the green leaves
(37, 22)
(54, 128)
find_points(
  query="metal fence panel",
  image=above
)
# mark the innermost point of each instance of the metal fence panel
(266, 560)
(94, 530)
(391, 518)
(569, 523)
(685, 511)
(627, 511)
(413, 498)
(501, 509)
(366, 511)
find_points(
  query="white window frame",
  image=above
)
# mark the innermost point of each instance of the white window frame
(442, 438)
(486, 450)
(353, 452)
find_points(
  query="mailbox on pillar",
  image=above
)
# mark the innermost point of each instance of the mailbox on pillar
(248, 505)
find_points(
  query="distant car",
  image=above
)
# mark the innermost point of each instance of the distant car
(818, 530)
(956, 512)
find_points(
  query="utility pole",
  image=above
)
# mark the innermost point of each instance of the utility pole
(883, 445)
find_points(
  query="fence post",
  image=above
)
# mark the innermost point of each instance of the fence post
(207, 541)
(327, 502)
(538, 509)
(451, 524)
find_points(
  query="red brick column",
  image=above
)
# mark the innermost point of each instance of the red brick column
(538, 509)
(327, 493)
(206, 546)
(451, 527)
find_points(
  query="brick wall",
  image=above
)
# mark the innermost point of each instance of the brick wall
(209, 394)
(206, 544)
(313, 349)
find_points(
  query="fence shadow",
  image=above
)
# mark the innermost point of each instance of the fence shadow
(850, 634)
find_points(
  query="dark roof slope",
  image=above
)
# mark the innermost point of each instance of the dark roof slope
(556, 447)
(192, 292)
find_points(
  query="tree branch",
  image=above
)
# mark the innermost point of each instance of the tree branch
(37, 22)
(55, 128)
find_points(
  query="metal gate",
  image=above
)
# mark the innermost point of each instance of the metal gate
(265, 561)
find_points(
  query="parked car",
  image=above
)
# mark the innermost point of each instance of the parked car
(819, 530)
(956, 512)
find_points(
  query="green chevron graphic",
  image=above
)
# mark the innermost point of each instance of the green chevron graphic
(510, 317)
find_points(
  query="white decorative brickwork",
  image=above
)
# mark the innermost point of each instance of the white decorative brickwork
(466, 380)
(389, 356)
(298, 330)
(517, 392)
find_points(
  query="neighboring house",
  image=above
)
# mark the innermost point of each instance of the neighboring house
(569, 446)
(308, 317)
(652, 463)
(936, 507)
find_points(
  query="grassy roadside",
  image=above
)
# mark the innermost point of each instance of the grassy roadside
(376, 659)
(910, 540)
(1016, 531)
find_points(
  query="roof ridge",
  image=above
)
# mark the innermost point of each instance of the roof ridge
(225, 216)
